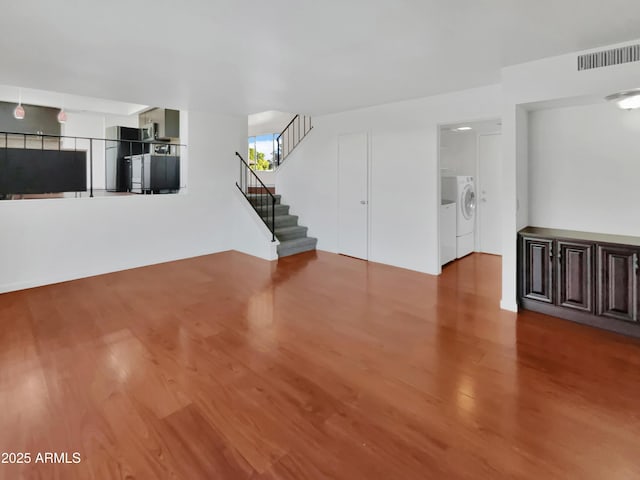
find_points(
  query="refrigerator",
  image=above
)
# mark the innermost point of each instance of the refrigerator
(122, 142)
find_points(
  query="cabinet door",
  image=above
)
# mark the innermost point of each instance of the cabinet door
(171, 123)
(537, 269)
(575, 274)
(618, 282)
(158, 173)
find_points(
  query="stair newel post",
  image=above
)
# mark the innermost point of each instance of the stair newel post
(273, 218)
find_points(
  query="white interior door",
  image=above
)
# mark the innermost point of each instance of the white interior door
(488, 189)
(353, 198)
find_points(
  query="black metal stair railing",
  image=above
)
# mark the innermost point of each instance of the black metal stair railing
(290, 137)
(39, 163)
(265, 201)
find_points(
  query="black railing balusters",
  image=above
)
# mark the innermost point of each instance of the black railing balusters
(60, 138)
(291, 136)
(262, 196)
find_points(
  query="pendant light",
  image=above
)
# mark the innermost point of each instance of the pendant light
(18, 112)
(62, 116)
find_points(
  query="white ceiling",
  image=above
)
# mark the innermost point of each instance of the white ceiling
(268, 122)
(290, 55)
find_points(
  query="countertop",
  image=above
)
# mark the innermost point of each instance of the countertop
(543, 232)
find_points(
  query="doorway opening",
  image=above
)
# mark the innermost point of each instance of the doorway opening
(470, 159)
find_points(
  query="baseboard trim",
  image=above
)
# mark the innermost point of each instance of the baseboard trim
(510, 306)
(618, 326)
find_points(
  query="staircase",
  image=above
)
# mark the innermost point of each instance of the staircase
(293, 237)
(275, 215)
(298, 128)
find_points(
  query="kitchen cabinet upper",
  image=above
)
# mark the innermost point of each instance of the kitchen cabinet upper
(168, 121)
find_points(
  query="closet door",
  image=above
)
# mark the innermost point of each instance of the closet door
(489, 188)
(353, 195)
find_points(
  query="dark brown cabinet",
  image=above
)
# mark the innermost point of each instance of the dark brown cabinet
(575, 275)
(537, 280)
(618, 282)
(584, 277)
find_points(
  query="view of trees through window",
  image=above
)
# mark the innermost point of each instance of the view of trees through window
(262, 151)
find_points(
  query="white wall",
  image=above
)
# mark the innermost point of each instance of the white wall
(459, 149)
(404, 198)
(268, 122)
(120, 121)
(267, 177)
(45, 241)
(250, 234)
(87, 125)
(90, 124)
(458, 153)
(584, 166)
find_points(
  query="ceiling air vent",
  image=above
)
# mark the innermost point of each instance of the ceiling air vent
(606, 58)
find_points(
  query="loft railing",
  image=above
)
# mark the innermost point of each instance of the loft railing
(258, 196)
(37, 163)
(293, 133)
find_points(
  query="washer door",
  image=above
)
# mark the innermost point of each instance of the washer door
(468, 202)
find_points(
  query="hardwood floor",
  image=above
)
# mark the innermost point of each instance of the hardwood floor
(319, 366)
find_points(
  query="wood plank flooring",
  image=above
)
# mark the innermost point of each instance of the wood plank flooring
(315, 367)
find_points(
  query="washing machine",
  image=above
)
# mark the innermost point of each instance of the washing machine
(461, 190)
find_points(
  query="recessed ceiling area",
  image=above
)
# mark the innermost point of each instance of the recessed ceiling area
(288, 55)
(481, 127)
(70, 102)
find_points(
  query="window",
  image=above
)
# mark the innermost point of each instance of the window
(262, 151)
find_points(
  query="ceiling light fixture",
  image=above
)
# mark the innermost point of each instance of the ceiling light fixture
(627, 100)
(18, 112)
(62, 116)
(461, 129)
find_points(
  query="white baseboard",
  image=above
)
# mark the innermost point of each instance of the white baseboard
(511, 306)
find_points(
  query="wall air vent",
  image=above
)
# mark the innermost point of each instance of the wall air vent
(606, 58)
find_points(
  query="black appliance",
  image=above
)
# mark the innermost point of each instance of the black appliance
(123, 142)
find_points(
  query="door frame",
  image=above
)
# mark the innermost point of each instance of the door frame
(369, 139)
(439, 127)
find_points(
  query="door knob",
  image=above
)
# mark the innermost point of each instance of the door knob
(484, 199)
(363, 202)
